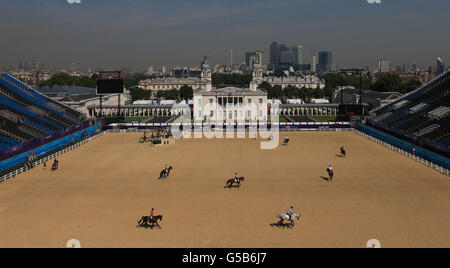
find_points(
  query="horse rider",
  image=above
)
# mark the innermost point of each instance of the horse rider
(236, 179)
(330, 169)
(166, 168)
(152, 214)
(290, 212)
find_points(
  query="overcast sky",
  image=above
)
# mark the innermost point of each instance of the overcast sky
(141, 33)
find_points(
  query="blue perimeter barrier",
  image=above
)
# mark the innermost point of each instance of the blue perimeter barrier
(42, 150)
(405, 146)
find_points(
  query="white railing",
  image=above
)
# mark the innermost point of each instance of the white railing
(405, 153)
(46, 159)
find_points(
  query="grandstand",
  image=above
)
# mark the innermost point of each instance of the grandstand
(421, 117)
(26, 114)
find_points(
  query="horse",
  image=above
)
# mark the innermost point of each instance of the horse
(230, 182)
(286, 141)
(284, 216)
(342, 152)
(164, 174)
(151, 221)
(55, 166)
(331, 174)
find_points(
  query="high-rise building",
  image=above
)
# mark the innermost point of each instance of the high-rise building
(325, 61)
(260, 57)
(252, 58)
(384, 66)
(440, 66)
(274, 54)
(297, 54)
(414, 67)
(285, 55)
(314, 62)
(150, 70)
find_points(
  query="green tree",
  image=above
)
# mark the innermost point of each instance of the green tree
(186, 92)
(140, 94)
(388, 83)
(291, 92)
(411, 86)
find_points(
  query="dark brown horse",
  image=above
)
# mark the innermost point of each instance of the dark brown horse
(231, 182)
(149, 221)
(331, 174)
(55, 165)
(164, 174)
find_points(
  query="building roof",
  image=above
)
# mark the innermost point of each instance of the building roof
(172, 80)
(228, 91)
(293, 80)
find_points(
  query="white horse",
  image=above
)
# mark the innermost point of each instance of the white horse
(284, 216)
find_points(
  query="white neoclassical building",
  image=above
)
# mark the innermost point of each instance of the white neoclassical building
(231, 104)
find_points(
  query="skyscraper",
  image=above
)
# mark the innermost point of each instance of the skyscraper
(384, 66)
(297, 54)
(252, 58)
(440, 66)
(274, 54)
(285, 55)
(325, 61)
(314, 62)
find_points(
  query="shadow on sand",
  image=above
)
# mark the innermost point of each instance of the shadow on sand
(282, 225)
(325, 178)
(147, 226)
(232, 186)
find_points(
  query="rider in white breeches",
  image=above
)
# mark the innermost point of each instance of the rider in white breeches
(290, 212)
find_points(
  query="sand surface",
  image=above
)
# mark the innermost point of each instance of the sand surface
(104, 187)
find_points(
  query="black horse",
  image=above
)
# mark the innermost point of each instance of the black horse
(331, 174)
(164, 174)
(342, 152)
(55, 165)
(147, 221)
(286, 141)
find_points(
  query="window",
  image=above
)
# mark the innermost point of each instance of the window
(249, 101)
(260, 101)
(211, 101)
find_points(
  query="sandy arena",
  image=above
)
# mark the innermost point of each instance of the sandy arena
(102, 189)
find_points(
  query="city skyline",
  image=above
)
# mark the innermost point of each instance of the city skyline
(96, 35)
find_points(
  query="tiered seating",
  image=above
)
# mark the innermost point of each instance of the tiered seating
(422, 113)
(26, 114)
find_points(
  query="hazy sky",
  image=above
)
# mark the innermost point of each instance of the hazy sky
(141, 33)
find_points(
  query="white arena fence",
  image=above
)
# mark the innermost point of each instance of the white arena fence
(406, 154)
(47, 158)
(78, 144)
